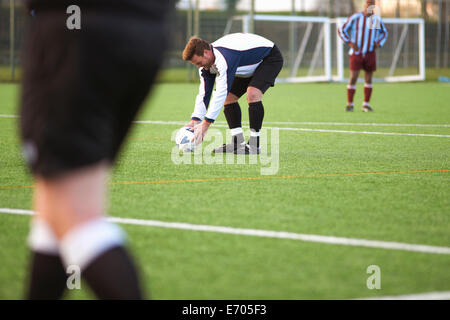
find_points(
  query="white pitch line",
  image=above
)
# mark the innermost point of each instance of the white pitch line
(294, 123)
(354, 124)
(309, 130)
(442, 295)
(268, 234)
(161, 122)
(306, 129)
(365, 132)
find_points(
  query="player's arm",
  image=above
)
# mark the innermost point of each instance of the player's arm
(382, 35)
(203, 97)
(214, 109)
(219, 96)
(343, 32)
(223, 86)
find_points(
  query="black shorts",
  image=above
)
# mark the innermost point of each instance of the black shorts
(83, 88)
(264, 76)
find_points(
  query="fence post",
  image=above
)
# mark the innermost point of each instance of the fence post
(197, 18)
(188, 35)
(447, 35)
(252, 20)
(331, 5)
(438, 36)
(12, 37)
(292, 36)
(406, 46)
(424, 9)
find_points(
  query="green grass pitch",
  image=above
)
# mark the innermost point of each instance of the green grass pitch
(352, 185)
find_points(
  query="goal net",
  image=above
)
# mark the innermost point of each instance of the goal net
(313, 51)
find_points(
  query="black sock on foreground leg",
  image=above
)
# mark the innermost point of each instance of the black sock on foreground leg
(112, 275)
(256, 117)
(97, 248)
(47, 277)
(233, 114)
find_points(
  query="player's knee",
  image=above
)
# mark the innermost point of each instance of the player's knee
(79, 193)
(230, 101)
(254, 95)
(231, 98)
(353, 77)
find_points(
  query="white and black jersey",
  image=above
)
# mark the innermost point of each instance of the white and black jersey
(236, 55)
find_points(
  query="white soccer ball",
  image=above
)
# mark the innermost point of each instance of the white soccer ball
(185, 139)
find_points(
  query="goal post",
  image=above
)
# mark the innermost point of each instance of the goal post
(313, 51)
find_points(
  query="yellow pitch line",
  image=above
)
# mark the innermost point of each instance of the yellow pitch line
(255, 178)
(16, 187)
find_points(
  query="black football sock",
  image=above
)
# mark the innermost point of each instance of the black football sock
(47, 277)
(233, 115)
(97, 248)
(112, 275)
(255, 115)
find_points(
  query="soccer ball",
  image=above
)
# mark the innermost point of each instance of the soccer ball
(185, 139)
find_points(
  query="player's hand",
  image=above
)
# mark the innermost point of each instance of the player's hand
(200, 131)
(354, 46)
(192, 123)
(377, 45)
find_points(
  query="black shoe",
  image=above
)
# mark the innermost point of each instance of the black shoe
(226, 148)
(231, 147)
(367, 109)
(349, 108)
(247, 149)
(252, 147)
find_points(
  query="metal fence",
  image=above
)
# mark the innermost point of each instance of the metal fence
(208, 19)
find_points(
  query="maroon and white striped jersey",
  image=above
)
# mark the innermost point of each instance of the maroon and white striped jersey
(365, 31)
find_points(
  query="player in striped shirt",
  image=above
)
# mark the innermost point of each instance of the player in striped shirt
(364, 32)
(237, 63)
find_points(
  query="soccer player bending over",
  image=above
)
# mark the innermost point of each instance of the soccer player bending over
(81, 91)
(364, 32)
(237, 63)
